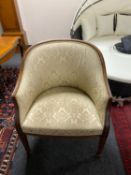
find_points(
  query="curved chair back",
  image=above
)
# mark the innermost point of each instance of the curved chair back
(62, 63)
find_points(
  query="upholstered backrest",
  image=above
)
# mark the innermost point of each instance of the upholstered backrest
(62, 63)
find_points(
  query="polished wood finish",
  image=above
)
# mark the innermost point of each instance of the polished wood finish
(8, 47)
(105, 133)
(10, 19)
(8, 16)
(22, 135)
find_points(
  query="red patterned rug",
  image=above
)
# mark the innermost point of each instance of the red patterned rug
(121, 118)
(8, 134)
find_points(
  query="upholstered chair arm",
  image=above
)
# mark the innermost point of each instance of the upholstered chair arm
(24, 95)
(23, 103)
(98, 87)
(101, 97)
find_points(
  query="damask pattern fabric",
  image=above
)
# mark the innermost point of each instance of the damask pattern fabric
(63, 111)
(59, 63)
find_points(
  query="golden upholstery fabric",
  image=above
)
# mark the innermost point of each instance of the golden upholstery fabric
(61, 63)
(63, 111)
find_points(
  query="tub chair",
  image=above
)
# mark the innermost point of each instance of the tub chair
(62, 90)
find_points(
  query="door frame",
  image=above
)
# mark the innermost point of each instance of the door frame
(20, 21)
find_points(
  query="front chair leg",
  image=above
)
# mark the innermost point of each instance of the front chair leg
(102, 141)
(24, 141)
(105, 132)
(21, 134)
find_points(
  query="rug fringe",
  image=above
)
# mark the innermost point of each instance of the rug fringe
(7, 159)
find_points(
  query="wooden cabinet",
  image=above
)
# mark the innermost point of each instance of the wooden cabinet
(10, 19)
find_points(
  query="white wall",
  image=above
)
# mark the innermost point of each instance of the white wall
(47, 19)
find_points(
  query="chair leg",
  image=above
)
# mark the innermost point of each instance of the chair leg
(102, 141)
(25, 143)
(21, 134)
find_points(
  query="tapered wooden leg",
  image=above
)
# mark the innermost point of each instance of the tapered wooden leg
(102, 141)
(24, 141)
(21, 134)
(105, 132)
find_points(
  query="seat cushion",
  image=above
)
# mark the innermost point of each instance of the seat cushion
(63, 111)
